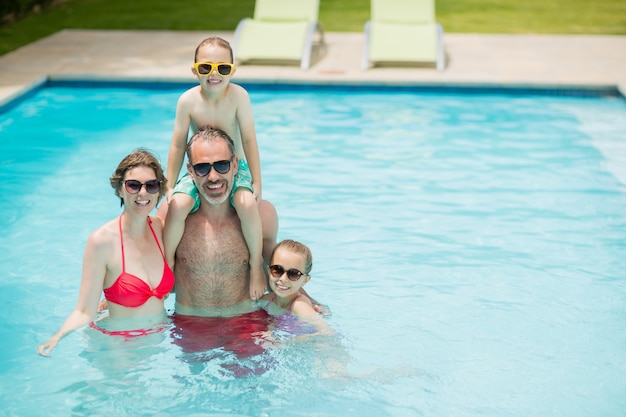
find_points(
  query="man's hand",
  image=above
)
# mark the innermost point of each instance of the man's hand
(322, 309)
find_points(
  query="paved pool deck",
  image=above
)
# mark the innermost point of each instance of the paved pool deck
(550, 61)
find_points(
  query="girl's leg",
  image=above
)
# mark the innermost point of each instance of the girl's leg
(248, 212)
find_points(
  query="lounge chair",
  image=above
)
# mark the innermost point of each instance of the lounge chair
(403, 31)
(279, 31)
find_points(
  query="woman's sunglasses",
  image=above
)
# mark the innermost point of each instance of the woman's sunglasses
(203, 169)
(134, 186)
(206, 68)
(293, 274)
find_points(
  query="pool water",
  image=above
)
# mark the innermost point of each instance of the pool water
(471, 248)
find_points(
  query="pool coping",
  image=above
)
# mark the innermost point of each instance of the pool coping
(12, 100)
(562, 63)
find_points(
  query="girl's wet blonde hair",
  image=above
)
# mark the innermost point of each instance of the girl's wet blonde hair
(296, 247)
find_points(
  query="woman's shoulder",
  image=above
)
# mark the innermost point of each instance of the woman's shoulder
(105, 233)
(101, 241)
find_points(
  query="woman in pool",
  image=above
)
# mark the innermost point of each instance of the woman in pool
(290, 266)
(124, 257)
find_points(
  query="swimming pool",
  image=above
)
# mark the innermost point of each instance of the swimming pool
(471, 247)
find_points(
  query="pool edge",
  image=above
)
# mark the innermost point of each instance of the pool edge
(12, 99)
(521, 88)
(597, 90)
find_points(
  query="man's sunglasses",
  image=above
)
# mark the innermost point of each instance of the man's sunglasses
(134, 186)
(206, 68)
(293, 274)
(202, 169)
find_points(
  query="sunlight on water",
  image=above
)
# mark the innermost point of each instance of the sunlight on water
(471, 248)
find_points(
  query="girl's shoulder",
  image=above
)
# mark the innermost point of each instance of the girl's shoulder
(303, 298)
(302, 306)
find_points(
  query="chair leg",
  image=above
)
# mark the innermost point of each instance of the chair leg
(365, 60)
(441, 53)
(305, 62)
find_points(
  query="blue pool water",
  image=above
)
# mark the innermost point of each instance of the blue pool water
(471, 247)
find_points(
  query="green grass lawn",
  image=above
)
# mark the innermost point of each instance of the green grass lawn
(457, 16)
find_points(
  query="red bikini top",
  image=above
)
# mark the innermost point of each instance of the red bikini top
(129, 290)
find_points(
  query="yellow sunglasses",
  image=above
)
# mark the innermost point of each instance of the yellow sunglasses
(206, 68)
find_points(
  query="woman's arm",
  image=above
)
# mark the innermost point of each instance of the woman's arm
(93, 273)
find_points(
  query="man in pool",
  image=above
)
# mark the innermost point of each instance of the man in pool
(210, 265)
(213, 305)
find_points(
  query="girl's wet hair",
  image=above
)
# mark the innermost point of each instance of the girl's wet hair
(296, 247)
(138, 158)
(215, 41)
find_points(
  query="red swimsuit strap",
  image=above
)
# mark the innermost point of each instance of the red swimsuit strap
(122, 242)
(155, 237)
